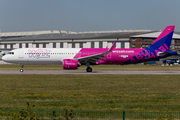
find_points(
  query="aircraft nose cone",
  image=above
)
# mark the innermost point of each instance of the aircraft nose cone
(3, 58)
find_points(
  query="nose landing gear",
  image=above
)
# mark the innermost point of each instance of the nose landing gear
(21, 70)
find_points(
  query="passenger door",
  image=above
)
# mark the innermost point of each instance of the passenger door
(21, 53)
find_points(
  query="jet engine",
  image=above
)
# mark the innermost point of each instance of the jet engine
(70, 64)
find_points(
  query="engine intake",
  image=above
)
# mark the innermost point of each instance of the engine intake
(70, 64)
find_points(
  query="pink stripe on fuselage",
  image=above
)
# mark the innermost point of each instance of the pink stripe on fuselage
(117, 56)
(84, 52)
(166, 31)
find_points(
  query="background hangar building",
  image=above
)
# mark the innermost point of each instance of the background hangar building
(93, 39)
(67, 39)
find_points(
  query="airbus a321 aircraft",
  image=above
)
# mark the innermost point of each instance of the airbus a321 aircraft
(72, 58)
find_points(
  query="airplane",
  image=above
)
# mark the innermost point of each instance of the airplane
(72, 58)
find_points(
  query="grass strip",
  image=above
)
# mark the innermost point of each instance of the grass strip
(152, 93)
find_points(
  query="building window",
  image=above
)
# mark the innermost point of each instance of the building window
(142, 45)
(92, 44)
(178, 46)
(73, 45)
(122, 44)
(37, 45)
(142, 39)
(134, 39)
(27, 45)
(54, 45)
(11, 46)
(61, 45)
(81, 45)
(44, 45)
(5, 46)
(133, 45)
(20, 45)
(100, 44)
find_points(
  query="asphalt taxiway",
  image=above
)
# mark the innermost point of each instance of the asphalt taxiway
(94, 72)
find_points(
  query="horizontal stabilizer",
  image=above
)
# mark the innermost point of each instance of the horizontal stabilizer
(166, 53)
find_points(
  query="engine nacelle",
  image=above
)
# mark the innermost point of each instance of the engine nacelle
(70, 64)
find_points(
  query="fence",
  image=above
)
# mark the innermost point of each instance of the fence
(87, 115)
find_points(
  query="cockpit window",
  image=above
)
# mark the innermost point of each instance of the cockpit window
(12, 53)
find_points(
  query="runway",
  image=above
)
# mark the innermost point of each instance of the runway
(97, 72)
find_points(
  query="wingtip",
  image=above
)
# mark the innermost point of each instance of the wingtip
(112, 47)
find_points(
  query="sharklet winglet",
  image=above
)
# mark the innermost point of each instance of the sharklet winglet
(110, 49)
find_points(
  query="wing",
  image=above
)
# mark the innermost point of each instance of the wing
(95, 58)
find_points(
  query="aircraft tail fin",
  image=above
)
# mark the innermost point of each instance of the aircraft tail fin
(163, 41)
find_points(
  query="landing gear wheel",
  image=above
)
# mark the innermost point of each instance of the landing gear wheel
(89, 69)
(21, 70)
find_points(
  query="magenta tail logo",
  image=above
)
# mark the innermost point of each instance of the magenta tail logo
(40, 53)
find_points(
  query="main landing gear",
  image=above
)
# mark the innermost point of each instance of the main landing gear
(88, 69)
(21, 70)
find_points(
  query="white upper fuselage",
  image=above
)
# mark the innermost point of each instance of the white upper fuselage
(40, 55)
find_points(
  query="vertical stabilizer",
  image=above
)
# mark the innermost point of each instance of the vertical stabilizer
(164, 39)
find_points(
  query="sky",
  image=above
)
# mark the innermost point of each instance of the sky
(88, 15)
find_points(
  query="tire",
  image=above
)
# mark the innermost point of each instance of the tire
(21, 70)
(89, 69)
